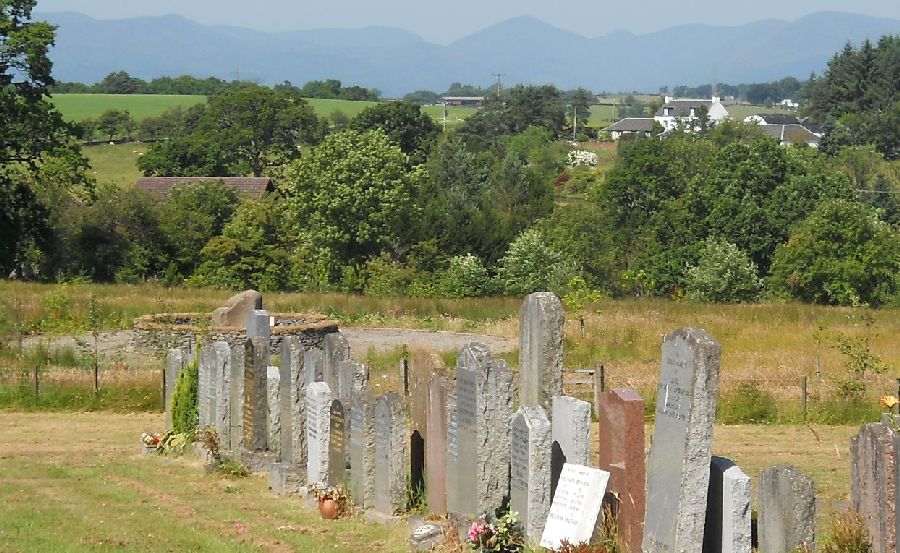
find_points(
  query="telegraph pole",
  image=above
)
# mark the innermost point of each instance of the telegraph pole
(499, 84)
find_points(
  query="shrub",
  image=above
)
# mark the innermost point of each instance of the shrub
(185, 411)
(465, 277)
(847, 534)
(530, 265)
(724, 274)
(748, 405)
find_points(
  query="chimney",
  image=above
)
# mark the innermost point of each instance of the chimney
(715, 99)
(669, 99)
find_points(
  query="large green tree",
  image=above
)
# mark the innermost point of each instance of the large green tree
(404, 123)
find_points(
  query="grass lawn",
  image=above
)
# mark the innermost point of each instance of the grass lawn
(76, 107)
(116, 163)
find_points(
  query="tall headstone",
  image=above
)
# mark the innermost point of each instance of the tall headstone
(293, 403)
(175, 361)
(872, 485)
(621, 437)
(335, 349)
(213, 386)
(256, 367)
(337, 451)
(478, 434)
(678, 480)
(787, 509)
(314, 366)
(576, 505)
(436, 445)
(728, 509)
(273, 407)
(570, 435)
(423, 366)
(221, 355)
(529, 485)
(204, 368)
(362, 448)
(390, 454)
(318, 424)
(259, 325)
(236, 393)
(541, 332)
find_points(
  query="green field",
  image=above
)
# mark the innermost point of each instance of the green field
(77, 107)
(115, 163)
(738, 113)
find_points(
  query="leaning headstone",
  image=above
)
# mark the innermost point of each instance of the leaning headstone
(256, 367)
(727, 527)
(541, 320)
(221, 355)
(529, 484)
(478, 434)
(175, 362)
(621, 437)
(337, 454)
(259, 325)
(238, 307)
(236, 393)
(362, 448)
(273, 406)
(423, 367)
(390, 455)
(314, 366)
(436, 446)
(318, 423)
(787, 510)
(335, 348)
(678, 479)
(872, 486)
(570, 435)
(576, 505)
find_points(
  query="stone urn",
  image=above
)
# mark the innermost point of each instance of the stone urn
(328, 508)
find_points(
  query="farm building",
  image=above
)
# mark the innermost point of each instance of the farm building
(255, 187)
(467, 101)
(640, 126)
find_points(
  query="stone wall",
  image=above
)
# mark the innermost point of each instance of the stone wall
(161, 332)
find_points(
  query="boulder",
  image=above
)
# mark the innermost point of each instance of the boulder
(238, 309)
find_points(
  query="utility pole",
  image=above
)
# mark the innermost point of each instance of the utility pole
(499, 84)
(575, 124)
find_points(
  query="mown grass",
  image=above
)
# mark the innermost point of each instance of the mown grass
(115, 163)
(77, 107)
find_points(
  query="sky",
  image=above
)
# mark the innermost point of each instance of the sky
(444, 22)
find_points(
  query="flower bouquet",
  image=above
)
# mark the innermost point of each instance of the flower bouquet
(501, 535)
(150, 442)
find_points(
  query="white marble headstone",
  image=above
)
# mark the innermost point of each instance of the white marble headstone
(576, 505)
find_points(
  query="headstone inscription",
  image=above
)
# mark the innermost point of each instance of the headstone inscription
(318, 424)
(530, 469)
(362, 448)
(728, 509)
(576, 505)
(787, 510)
(390, 454)
(541, 320)
(620, 417)
(337, 454)
(678, 480)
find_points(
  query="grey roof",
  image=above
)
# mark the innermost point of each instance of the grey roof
(778, 119)
(682, 108)
(251, 186)
(791, 133)
(632, 124)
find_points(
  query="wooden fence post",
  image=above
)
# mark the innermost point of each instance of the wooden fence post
(803, 390)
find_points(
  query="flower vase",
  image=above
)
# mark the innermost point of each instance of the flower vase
(328, 508)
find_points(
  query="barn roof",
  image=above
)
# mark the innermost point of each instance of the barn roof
(255, 187)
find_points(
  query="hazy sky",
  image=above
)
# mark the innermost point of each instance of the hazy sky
(446, 21)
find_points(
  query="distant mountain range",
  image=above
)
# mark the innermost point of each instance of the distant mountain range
(396, 61)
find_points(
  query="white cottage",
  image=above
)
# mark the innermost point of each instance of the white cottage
(685, 110)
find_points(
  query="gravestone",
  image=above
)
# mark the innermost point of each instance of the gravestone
(452, 464)
(236, 393)
(293, 403)
(221, 355)
(478, 434)
(787, 509)
(259, 325)
(337, 453)
(541, 320)
(351, 376)
(335, 349)
(314, 366)
(175, 362)
(620, 417)
(362, 448)
(204, 368)
(896, 482)
(576, 505)
(256, 410)
(237, 309)
(318, 424)
(678, 480)
(529, 484)
(390, 454)
(273, 406)
(423, 367)
(570, 435)
(436, 445)
(872, 485)
(728, 509)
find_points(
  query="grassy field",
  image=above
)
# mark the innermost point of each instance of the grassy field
(76, 107)
(742, 111)
(116, 163)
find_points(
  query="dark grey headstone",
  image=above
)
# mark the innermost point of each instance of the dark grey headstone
(530, 469)
(362, 448)
(541, 320)
(678, 477)
(390, 454)
(787, 510)
(337, 452)
(318, 425)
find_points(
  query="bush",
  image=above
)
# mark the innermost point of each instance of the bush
(465, 277)
(530, 265)
(723, 274)
(185, 411)
(748, 405)
(847, 534)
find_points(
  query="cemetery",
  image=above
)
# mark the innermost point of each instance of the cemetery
(480, 457)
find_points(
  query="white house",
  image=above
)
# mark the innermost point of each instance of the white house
(687, 110)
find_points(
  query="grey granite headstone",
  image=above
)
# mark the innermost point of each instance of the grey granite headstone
(256, 410)
(318, 423)
(678, 477)
(335, 349)
(896, 482)
(204, 368)
(529, 485)
(541, 320)
(175, 361)
(362, 448)
(351, 376)
(293, 404)
(337, 451)
(436, 445)
(872, 485)
(314, 366)
(787, 509)
(727, 509)
(390, 454)
(570, 434)
(273, 405)
(212, 386)
(478, 434)
(259, 325)
(236, 393)
(222, 366)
